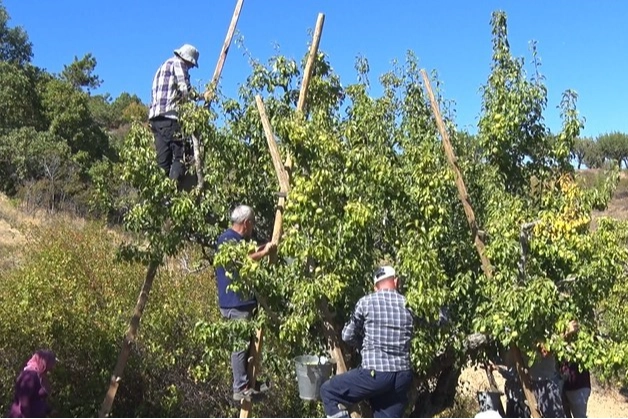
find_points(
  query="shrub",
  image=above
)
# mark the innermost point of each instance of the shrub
(72, 295)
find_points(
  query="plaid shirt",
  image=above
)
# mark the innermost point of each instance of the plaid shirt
(170, 85)
(383, 326)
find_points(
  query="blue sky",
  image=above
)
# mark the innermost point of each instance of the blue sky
(583, 45)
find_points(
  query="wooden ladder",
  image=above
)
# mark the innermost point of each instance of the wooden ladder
(283, 176)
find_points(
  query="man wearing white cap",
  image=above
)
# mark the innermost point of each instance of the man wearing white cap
(382, 327)
(171, 86)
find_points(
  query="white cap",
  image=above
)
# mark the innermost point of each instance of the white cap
(384, 272)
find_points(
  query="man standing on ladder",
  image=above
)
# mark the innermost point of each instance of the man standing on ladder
(382, 326)
(171, 86)
(235, 306)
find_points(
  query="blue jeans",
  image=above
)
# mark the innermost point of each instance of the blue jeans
(387, 392)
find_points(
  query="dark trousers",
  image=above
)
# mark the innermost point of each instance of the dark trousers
(517, 409)
(239, 359)
(169, 146)
(548, 398)
(387, 392)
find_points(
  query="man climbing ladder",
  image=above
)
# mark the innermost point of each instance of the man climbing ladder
(234, 305)
(171, 86)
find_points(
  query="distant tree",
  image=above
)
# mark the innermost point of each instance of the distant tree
(70, 118)
(102, 111)
(135, 112)
(28, 155)
(129, 108)
(111, 115)
(52, 131)
(614, 146)
(593, 157)
(579, 150)
(19, 96)
(586, 151)
(80, 73)
(15, 47)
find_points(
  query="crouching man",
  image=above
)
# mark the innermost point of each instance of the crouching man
(382, 327)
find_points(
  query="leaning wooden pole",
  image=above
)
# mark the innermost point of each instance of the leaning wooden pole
(477, 237)
(131, 334)
(328, 318)
(211, 91)
(255, 349)
(223, 52)
(329, 329)
(283, 177)
(129, 338)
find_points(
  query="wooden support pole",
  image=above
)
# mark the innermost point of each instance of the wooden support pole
(311, 59)
(283, 177)
(129, 338)
(328, 319)
(210, 92)
(477, 237)
(330, 331)
(255, 350)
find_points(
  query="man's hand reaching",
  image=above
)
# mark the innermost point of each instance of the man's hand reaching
(572, 328)
(267, 248)
(263, 251)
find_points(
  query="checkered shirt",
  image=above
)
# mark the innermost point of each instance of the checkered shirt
(383, 326)
(170, 85)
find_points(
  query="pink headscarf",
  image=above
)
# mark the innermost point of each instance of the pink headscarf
(41, 362)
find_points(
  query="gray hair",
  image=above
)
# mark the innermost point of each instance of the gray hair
(241, 214)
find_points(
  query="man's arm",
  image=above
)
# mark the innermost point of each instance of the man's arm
(572, 328)
(262, 251)
(353, 331)
(183, 79)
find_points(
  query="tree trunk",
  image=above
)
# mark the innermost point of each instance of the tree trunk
(432, 402)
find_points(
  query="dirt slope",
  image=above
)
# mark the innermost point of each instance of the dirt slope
(604, 403)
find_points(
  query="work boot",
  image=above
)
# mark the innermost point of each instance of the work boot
(252, 393)
(263, 386)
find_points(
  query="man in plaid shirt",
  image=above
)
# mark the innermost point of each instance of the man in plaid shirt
(171, 86)
(382, 327)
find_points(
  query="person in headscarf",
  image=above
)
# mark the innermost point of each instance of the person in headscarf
(32, 387)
